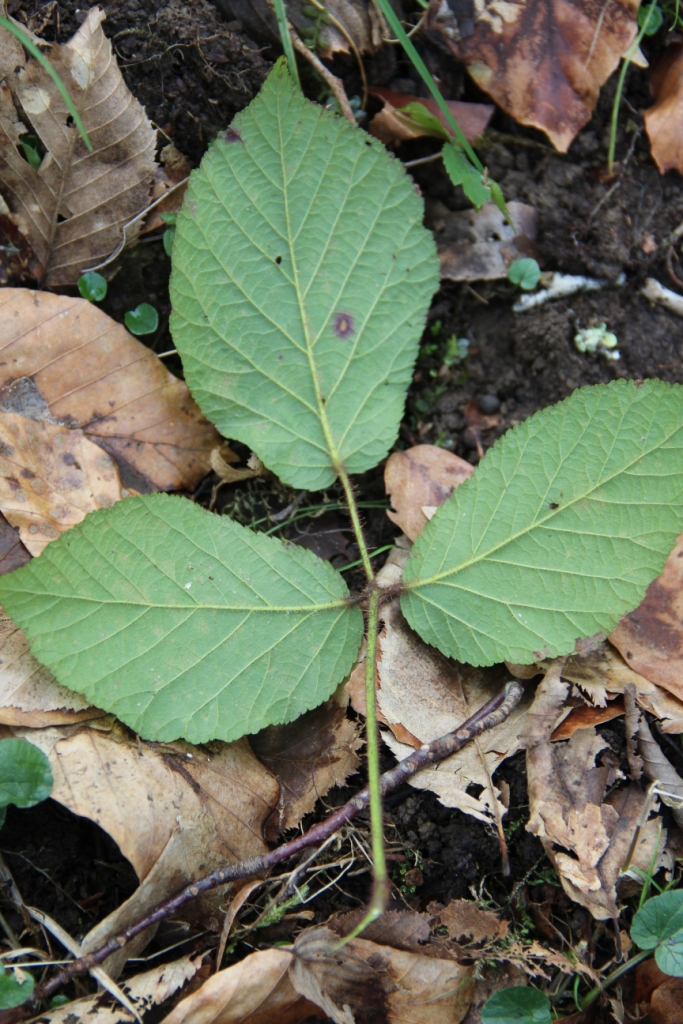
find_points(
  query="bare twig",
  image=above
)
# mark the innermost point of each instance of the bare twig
(336, 85)
(487, 717)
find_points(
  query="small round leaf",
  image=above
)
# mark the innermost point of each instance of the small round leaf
(517, 1005)
(658, 925)
(25, 775)
(92, 286)
(525, 273)
(650, 19)
(15, 986)
(144, 319)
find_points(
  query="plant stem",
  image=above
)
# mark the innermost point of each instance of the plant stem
(490, 715)
(356, 523)
(614, 976)
(286, 40)
(620, 88)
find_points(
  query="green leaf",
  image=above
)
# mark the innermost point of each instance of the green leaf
(421, 116)
(462, 172)
(302, 275)
(144, 319)
(16, 986)
(25, 775)
(184, 623)
(526, 273)
(658, 925)
(558, 533)
(92, 286)
(650, 18)
(517, 1005)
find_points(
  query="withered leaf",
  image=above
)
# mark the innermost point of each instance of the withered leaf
(50, 478)
(390, 125)
(64, 359)
(72, 209)
(359, 21)
(663, 120)
(466, 922)
(419, 478)
(13, 552)
(542, 61)
(480, 245)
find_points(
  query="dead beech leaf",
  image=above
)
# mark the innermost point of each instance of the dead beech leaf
(663, 118)
(568, 808)
(429, 695)
(355, 19)
(422, 476)
(390, 125)
(658, 768)
(73, 207)
(50, 478)
(30, 696)
(308, 757)
(651, 637)
(480, 245)
(13, 552)
(66, 361)
(466, 922)
(175, 811)
(172, 173)
(257, 990)
(543, 61)
(367, 983)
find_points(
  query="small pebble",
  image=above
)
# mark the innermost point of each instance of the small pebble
(488, 404)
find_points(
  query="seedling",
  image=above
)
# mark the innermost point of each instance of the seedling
(144, 319)
(25, 775)
(93, 286)
(16, 986)
(597, 339)
(525, 274)
(169, 234)
(658, 925)
(302, 276)
(518, 1004)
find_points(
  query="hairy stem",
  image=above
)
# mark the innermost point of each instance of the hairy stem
(491, 714)
(354, 515)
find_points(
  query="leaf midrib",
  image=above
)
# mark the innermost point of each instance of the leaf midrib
(281, 609)
(486, 555)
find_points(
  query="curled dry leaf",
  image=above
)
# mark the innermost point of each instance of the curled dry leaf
(367, 983)
(466, 922)
(175, 811)
(568, 808)
(257, 990)
(659, 769)
(663, 120)
(651, 637)
(390, 125)
(543, 61)
(419, 478)
(308, 757)
(30, 696)
(72, 209)
(65, 361)
(480, 245)
(50, 478)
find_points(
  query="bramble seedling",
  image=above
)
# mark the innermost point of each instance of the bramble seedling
(525, 274)
(93, 286)
(144, 319)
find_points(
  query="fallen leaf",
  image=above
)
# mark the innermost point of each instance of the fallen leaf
(50, 478)
(583, 717)
(367, 983)
(651, 637)
(30, 696)
(429, 695)
(390, 125)
(420, 477)
(568, 808)
(257, 990)
(659, 769)
(222, 460)
(308, 757)
(65, 361)
(466, 922)
(356, 20)
(480, 245)
(73, 208)
(543, 61)
(169, 186)
(175, 811)
(663, 118)
(13, 552)
(151, 988)
(665, 1004)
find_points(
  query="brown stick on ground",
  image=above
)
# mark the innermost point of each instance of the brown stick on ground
(491, 714)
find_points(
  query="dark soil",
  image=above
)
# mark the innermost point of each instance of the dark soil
(193, 71)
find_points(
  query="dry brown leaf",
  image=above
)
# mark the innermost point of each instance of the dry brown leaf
(663, 120)
(13, 552)
(257, 990)
(367, 983)
(480, 245)
(583, 717)
(420, 477)
(390, 125)
(658, 768)
(358, 19)
(30, 696)
(651, 637)
(543, 61)
(308, 757)
(171, 174)
(466, 922)
(175, 811)
(50, 478)
(73, 207)
(66, 361)
(568, 808)
(429, 695)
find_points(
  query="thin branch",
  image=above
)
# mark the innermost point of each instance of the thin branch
(336, 85)
(490, 715)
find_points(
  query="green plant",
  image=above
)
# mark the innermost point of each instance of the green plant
(25, 775)
(658, 926)
(649, 21)
(518, 1004)
(302, 275)
(525, 274)
(16, 986)
(169, 234)
(92, 286)
(144, 319)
